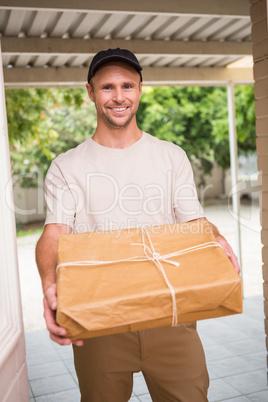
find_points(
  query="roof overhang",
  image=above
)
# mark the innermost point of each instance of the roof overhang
(178, 42)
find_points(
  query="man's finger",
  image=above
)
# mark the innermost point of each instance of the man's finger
(57, 333)
(51, 296)
(60, 340)
(228, 251)
(78, 342)
(49, 316)
(235, 263)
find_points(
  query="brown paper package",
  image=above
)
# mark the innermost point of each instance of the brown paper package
(105, 298)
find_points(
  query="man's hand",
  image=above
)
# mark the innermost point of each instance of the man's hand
(57, 333)
(228, 251)
(46, 259)
(224, 245)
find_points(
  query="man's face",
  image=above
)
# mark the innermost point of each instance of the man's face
(116, 90)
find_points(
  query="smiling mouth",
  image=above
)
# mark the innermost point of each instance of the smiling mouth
(118, 109)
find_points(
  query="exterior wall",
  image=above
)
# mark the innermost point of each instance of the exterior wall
(28, 204)
(258, 12)
(13, 370)
(212, 187)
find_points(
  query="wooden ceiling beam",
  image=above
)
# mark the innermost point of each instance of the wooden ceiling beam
(58, 46)
(237, 8)
(20, 77)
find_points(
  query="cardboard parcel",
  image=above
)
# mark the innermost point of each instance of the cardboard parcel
(131, 279)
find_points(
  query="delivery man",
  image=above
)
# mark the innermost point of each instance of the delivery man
(123, 177)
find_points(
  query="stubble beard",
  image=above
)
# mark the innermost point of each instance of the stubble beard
(113, 123)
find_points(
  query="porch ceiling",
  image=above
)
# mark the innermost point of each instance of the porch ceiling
(177, 41)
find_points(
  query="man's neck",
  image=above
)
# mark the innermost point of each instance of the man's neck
(117, 138)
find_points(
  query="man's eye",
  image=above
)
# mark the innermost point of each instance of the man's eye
(107, 87)
(127, 86)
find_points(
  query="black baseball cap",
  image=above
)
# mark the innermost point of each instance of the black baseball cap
(118, 54)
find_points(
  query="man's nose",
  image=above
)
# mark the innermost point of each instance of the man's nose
(119, 95)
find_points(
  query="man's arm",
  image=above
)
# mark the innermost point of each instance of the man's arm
(46, 260)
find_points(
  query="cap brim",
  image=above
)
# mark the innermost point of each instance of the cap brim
(137, 66)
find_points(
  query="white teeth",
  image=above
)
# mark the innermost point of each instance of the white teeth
(119, 109)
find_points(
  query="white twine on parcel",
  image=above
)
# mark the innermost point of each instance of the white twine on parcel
(156, 258)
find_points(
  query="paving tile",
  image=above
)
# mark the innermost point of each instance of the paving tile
(221, 323)
(243, 325)
(228, 336)
(219, 390)
(54, 384)
(30, 392)
(74, 375)
(217, 352)
(145, 398)
(38, 340)
(256, 360)
(66, 396)
(211, 373)
(237, 365)
(252, 328)
(43, 356)
(240, 321)
(247, 346)
(238, 399)
(250, 382)
(216, 329)
(140, 386)
(138, 374)
(207, 341)
(222, 335)
(46, 370)
(64, 352)
(254, 306)
(69, 364)
(259, 396)
(134, 399)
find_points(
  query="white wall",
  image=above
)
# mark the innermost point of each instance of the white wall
(13, 371)
(29, 204)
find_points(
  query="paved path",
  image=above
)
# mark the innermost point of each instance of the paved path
(234, 346)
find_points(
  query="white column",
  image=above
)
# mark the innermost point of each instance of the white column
(13, 371)
(234, 168)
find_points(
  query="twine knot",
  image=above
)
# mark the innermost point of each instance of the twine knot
(156, 256)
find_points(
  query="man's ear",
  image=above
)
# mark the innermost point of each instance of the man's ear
(140, 89)
(90, 92)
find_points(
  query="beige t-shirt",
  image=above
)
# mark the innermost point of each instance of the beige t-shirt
(92, 187)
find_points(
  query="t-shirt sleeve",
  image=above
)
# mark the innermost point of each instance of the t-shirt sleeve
(60, 202)
(185, 201)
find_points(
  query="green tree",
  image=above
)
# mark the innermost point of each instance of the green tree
(43, 123)
(196, 118)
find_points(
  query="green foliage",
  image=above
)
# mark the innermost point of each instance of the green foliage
(43, 123)
(196, 118)
(21, 231)
(245, 118)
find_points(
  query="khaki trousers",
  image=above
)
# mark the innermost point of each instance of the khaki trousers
(171, 359)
